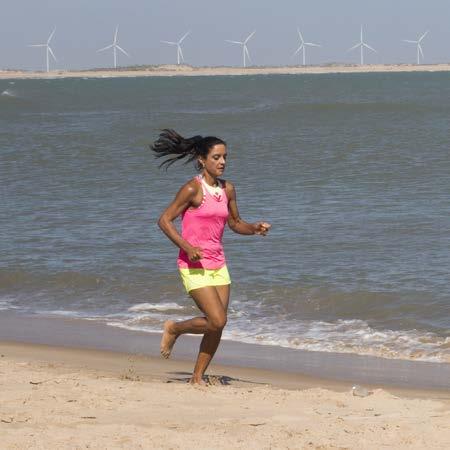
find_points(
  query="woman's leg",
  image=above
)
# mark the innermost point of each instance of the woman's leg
(209, 302)
(210, 340)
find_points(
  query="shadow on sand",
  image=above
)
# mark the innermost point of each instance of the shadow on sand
(210, 380)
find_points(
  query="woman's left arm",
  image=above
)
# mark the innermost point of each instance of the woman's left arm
(234, 220)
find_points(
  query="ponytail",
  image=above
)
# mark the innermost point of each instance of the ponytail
(175, 147)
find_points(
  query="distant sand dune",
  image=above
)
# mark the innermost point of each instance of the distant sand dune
(184, 70)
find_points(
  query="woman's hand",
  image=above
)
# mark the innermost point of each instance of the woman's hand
(194, 254)
(262, 228)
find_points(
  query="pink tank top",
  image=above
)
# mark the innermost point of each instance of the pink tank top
(203, 227)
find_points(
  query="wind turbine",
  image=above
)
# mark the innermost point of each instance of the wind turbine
(244, 46)
(115, 47)
(303, 46)
(419, 47)
(48, 50)
(362, 44)
(180, 56)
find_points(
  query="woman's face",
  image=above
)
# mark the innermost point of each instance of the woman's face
(215, 162)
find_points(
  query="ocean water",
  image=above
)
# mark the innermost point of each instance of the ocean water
(351, 170)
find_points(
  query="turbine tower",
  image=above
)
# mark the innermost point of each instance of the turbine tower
(361, 44)
(180, 56)
(48, 50)
(303, 46)
(419, 47)
(244, 47)
(115, 47)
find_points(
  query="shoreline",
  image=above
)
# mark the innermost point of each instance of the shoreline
(184, 70)
(333, 367)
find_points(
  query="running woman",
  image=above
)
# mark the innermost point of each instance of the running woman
(206, 203)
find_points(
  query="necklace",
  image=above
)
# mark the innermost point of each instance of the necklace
(216, 191)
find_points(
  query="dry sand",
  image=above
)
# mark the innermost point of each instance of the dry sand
(56, 398)
(184, 70)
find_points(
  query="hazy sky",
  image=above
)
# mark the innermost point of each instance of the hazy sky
(83, 26)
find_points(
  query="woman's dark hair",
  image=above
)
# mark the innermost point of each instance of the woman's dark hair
(175, 147)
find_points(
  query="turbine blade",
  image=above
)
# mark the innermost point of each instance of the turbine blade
(37, 45)
(51, 35)
(181, 53)
(300, 36)
(123, 51)
(115, 34)
(310, 44)
(247, 53)
(361, 33)
(51, 53)
(296, 51)
(249, 37)
(423, 35)
(234, 42)
(105, 48)
(169, 42)
(420, 50)
(411, 42)
(370, 48)
(182, 39)
(355, 46)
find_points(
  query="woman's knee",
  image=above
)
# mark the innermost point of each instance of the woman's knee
(217, 323)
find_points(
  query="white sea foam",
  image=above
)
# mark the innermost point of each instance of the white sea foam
(7, 303)
(142, 318)
(340, 336)
(8, 93)
(125, 326)
(157, 328)
(65, 312)
(149, 322)
(155, 307)
(347, 336)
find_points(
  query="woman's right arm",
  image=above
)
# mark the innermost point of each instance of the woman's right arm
(182, 201)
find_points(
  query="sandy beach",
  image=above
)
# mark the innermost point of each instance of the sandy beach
(54, 397)
(184, 70)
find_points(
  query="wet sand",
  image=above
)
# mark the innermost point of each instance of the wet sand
(348, 368)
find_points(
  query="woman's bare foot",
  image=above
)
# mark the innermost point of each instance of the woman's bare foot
(197, 381)
(168, 339)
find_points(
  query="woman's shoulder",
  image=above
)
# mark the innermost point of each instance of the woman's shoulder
(227, 185)
(191, 187)
(194, 182)
(224, 182)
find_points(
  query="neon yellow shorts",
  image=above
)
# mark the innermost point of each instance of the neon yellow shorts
(199, 278)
